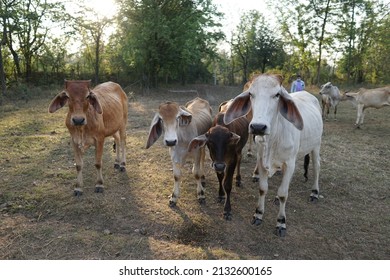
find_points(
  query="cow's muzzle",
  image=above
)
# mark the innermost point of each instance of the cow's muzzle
(219, 167)
(170, 143)
(77, 121)
(258, 129)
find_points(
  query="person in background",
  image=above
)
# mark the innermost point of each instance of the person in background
(298, 84)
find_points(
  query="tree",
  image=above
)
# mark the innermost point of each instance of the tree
(168, 39)
(255, 46)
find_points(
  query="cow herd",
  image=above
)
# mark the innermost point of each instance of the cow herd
(283, 127)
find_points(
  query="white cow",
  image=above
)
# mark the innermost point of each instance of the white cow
(180, 125)
(286, 125)
(331, 97)
(368, 98)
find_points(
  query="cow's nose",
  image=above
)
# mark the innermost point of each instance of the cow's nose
(219, 167)
(258, 129)
(170, 143)
(78, 121)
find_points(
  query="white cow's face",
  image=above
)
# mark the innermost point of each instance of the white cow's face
(265, 93)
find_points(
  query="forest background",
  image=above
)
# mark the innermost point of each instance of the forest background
(154, 43)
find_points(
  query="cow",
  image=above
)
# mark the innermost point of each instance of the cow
(285, 126)
(93, 115)
(225, 144)
(180, 125)
(331, 97)
(368, 98)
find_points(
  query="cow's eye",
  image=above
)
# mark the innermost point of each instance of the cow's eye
(277, 95)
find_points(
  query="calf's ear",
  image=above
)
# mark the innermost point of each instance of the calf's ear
(289, 110)
(197, 142)
(239, 107)
(94, 101)
(58, 102)
(185, 117)
(155, 131)
(234, 138)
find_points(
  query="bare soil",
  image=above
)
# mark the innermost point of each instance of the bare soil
(41, 219)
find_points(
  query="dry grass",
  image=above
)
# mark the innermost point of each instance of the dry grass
(40, 219)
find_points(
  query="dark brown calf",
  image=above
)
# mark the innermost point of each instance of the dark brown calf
(225, 144)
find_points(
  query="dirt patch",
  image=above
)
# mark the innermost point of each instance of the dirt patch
(40, 219)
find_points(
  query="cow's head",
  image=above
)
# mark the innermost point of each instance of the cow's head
(221, 143)
(267, 97)
(79, 98)
(325, 88)
(169, 118)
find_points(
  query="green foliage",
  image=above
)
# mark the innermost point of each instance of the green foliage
(168, 39)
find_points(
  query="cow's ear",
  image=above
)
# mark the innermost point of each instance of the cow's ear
(239, 107)
(234, 138)
(185, 117)
(197, 142)
(155, 130)
(289, 110)
(94, 101)
(58, 102)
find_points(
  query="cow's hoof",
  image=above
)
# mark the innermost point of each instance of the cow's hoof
(255, 179)
(313, 199)
(117, 166)
(227, 216)
(221, 199)
(172, 204)
(202, 200)
(77, 192)
(280, 231)
(122, 169)
(256, 221)
(238, 184)
(99, 189)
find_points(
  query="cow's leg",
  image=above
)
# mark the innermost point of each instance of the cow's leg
(316, 167)
(122, 146)
(227, 185)
(117, 150)
(359, 115)
(288, 170)
(201, 166)
(249, 153)
(221, 191)
(198, 172)
(78, 154)
(263, 189)
(238, 169)
(256, 172)
(99, 188)
(176, 187)
(335, 112)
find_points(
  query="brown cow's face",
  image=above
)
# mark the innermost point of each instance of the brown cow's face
(79, 97)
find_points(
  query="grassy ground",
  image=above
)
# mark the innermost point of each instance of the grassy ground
(40, 219)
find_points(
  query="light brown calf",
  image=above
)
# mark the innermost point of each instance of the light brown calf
(94, 115)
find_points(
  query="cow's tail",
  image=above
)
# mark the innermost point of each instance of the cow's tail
(306, 166)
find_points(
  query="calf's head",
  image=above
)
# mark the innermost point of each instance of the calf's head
(168, 119)
(267, 98)
(79, 97)
(221, 144)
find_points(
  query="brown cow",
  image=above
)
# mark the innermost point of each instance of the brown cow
(94, 115)
(225, 144)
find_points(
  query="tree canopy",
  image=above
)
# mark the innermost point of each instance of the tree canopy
(154, 42)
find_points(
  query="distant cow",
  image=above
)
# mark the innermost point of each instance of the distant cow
(179, 126)
(225, 144)
(331, 97)
(285, 125)
(93, 115)
(368, 98)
